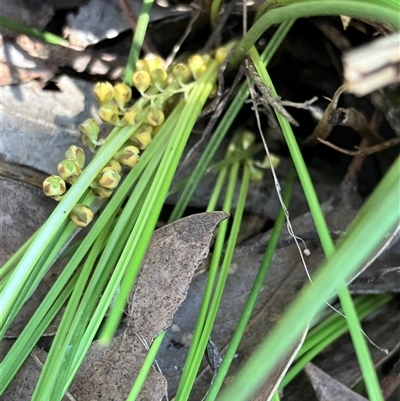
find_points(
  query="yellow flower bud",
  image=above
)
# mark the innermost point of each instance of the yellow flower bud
(116, 166)
(206, 59)
(109, 113)
(155, 130)
(74, 152)
(255, 174)
(100, 192)
(142, 136)
(247, 138)
(266, 163)
(91, 145)
(159, 79)
(103, 92)
(197, 65)
(220, 54)
(122, 94)
(69, 170)
(108, 178)
(154, 116)
(181, 73)
(128, 156)
(54, 186)
(90, 129)
(133, 116)
(154, 62)
(141, 80)
(141, 65)
(81, 215)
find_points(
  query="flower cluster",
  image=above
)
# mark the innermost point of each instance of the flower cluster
(159, 88)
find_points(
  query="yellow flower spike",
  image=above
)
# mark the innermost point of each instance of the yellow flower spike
(74, 152)
(141, 80)
(90, 129)
(181, 73)
(197, 66)
(154, 62)
(154, 116)
(115, 165)
(128, 156)
(109, 113)
(54, 186)
(141, 65)
(133, 116)
(220, 54)
(142, 137)
(81, 215)
(108, 178)
(122, 94)
(103, 92)
(69, 170)
(159, 78)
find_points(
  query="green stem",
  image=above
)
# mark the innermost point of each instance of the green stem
(310, 8)
(137, 40)
(145, 369)
(34, 33)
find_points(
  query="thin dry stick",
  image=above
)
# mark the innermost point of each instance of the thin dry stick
(221, 105)
(216, 35)
(266, 99)
(188, 29)
(363, 151)
(305, 105)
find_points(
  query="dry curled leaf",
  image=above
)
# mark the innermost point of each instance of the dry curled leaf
(323, 128)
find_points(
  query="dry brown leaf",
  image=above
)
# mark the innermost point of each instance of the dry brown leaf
(329, 389)
(108, 373)
(176, 250)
